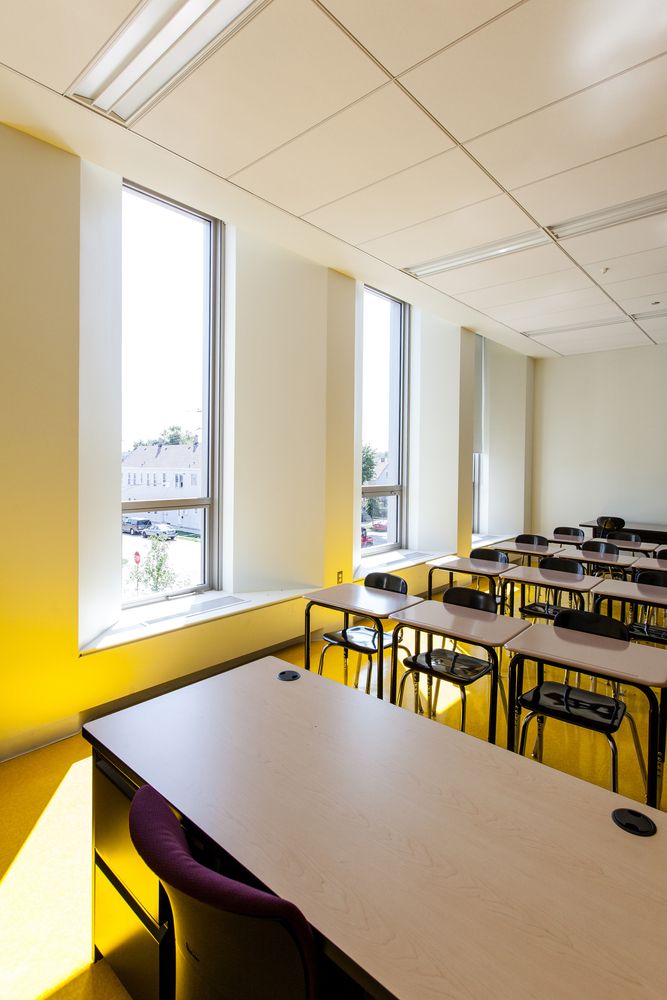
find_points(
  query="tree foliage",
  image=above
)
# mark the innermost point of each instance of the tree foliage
(170, 435)
(155, 574)
(369, 459)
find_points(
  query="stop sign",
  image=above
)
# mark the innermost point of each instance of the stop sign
(137, 557)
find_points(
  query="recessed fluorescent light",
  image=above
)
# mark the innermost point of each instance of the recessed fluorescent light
(489, 251)
(655, 314)
(154, 49)
(628, 211)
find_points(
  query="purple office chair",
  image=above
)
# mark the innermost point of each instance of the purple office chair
(232, 941)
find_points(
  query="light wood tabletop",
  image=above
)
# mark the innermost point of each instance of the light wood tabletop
(467, 624)
(443, 866)
(603, 558)
(624, 590)
(526, 549)
(536, 577)
(473, 567)
(642, 564)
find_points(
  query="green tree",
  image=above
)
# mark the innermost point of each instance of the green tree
(369, 459)
(170, 435)
(156, 571)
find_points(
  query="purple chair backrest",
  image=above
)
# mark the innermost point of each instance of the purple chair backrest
(233, 942)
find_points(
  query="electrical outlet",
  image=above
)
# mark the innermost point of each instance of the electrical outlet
(339, 576)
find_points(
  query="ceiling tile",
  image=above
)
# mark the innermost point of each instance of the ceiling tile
(533, 55)
(469, 227)
(401, 34)
(441, 184)
(377, 136)
(545, 285)
(53, 42)
(619, 241)
(513, 267)
(605, 119)
(549, 305)
(634, 265)
(634, 173)
(261, 88)
(656, 302)
(566, 317)
(656, 329)
(651, 285)
(598, 338)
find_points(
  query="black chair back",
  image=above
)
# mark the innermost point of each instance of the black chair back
(588, 621)
(624, 536)
(466, 598)
(576, 533)
(532, 540)
(652, 577)
(562, 565)
(661, 554)
(597, 545)
(492, 555)
(386, 581)
(608, 523)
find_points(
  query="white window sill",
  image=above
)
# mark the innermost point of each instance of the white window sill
(150, 620)
(394, 560)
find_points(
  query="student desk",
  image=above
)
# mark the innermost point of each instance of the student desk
(621, 561)
(644, 667)
(471, 567)
(433, 864)
(634, 593)
(482, 628)
(648, 532)
(533, 576)
(359, 601)
(641, 564)
(620, 543)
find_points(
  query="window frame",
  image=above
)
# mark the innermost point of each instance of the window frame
(399, 489)
(209, 503)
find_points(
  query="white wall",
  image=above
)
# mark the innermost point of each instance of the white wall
(505, 507)
(600, 421)
(278, 432)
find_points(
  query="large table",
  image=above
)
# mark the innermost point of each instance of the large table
(359, 601)
(643, 667)
(647, 532)
(436, 864)
(533, 576)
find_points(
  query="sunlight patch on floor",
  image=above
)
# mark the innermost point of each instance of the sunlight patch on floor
(46, 895)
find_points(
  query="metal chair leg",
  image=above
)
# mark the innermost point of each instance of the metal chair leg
(320, 665)
(369, 674)
(524, 732)
(638, 747)
(614, 763)
(463, 709)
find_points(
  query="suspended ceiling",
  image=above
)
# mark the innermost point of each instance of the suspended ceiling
(415, 131)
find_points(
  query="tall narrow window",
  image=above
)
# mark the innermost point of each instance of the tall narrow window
(382, 423)
(169, 287)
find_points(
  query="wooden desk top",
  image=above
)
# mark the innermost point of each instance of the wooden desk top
(360, 600)
(623, 590)
(628, 526)
(475, 567)
(530, 550)
(466, 624)
(642, 564)
(602, 558)
(446, 867)
(626, 661)
(583, 583)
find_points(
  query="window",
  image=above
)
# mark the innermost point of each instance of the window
(383, 423)
(170, 342)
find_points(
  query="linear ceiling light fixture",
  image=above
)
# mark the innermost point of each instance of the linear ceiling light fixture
(154, 49)
(656, 314)
(573, 327)
(628, 211)
(489, 251)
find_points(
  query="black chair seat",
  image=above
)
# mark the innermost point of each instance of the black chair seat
(359, 638)
(449, 665)
(541, 609)
(576, 706)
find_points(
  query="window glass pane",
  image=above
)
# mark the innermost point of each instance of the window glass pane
(381, 390)
(166, 322)
(379, 521)
(162, 552)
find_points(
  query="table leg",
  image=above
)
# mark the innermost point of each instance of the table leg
(306, 655)
(380, 653)
(396, 638)
(655, 747)
(662, 735)
(493, 700)
(515, 683)
(430, 582)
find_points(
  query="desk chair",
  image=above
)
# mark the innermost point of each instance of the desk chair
(641, 627)
(459, 669)
(233, 942)
(623, 536)
(586, 709)
(363, 639)
(493, 555)
(577, 534)
(608, 523)
(551, 606)
(604, 548)
(531, 540)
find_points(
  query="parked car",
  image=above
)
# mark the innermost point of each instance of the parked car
(135, 525)
(365, 540)
(379, 525)
(164, 531)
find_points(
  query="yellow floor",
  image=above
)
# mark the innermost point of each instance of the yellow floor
(46, 859)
